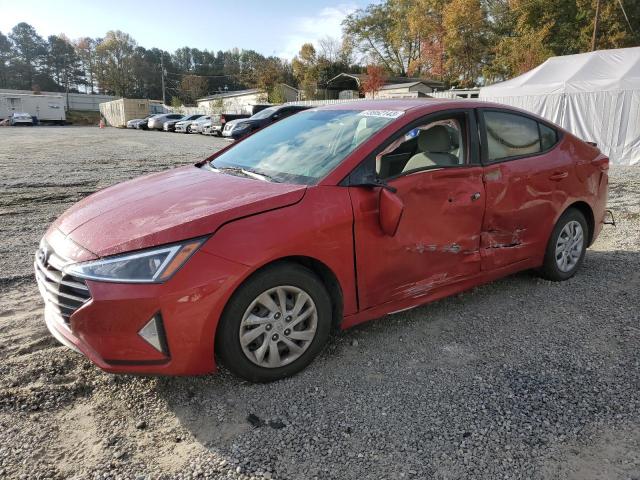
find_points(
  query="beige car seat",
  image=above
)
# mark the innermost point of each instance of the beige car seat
(434, 145)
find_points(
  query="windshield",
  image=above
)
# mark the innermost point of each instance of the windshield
(304, 147)
(265, 113)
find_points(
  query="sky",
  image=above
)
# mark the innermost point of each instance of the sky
(271, 27)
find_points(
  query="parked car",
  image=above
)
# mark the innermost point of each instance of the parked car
(183, 126)
(331, 217)
(239, 128)
(218, 122)
(205, 127)
(170, 126)
(197, 126)
(157, 121)
(144, 124)
(21, 118)
(136, 121)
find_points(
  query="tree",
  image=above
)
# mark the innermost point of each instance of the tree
(270, 75)
(426, 24)
(115, 54)
(62, 63)
(524, 33)
(374, 80)
(86, 51)
(305, 70)
(518, 54)
(192, 87)
(465, 36)
(6, 76)
(381, 31)
(29, 51)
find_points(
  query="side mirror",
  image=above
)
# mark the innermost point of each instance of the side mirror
(390, 206)
(390, 212)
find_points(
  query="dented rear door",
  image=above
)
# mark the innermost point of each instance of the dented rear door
(521, 200)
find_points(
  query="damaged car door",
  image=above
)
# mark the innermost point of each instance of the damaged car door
(428, 174)
(522, 179)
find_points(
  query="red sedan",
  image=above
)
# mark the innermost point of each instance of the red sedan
(329, 218)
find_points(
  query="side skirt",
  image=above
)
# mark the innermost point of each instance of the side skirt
(437, 293)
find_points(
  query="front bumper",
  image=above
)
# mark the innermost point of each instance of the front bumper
(106, 328)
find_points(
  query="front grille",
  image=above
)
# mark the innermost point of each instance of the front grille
(65, 293)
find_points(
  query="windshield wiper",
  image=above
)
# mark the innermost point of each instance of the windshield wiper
(245, 172)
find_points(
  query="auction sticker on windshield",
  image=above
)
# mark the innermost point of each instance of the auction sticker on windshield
(381, 113)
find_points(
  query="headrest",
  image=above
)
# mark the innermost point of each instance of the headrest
(362, 135)
(435, 140)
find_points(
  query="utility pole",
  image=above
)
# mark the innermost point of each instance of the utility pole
(164, 98)
(595, 26)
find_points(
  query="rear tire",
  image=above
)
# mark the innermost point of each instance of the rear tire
(566, 247)
(261, 341)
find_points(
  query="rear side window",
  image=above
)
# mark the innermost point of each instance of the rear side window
(510, 135)
(548, 136)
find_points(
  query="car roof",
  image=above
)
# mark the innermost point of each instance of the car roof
(407, 104)
(425, 105)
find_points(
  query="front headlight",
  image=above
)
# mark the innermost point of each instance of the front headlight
(154, 265)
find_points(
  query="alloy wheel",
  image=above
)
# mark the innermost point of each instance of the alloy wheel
(569, 246)
(278, 326)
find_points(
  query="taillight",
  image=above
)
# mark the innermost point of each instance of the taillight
(222, 120)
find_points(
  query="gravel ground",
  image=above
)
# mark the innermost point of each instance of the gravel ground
(522, 378)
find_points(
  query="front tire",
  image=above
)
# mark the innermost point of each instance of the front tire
(566, 247)
(275, 324)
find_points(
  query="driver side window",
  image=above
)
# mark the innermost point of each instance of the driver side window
(437, 144)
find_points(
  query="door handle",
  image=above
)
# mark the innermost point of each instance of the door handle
(475, 196)
(558, 176)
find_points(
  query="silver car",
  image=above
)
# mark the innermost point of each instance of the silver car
(198, 125)
(184, 126)
(20, 118)
(157, 121)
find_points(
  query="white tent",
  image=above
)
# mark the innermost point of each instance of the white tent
(595, 95)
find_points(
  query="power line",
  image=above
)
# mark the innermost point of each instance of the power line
(207, 76)
(625, 16)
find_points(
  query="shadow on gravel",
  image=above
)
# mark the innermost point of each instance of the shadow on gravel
(499, 379)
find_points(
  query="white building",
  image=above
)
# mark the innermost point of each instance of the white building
(239, 101)
(48, 108)
(73, 101)
(402, 90)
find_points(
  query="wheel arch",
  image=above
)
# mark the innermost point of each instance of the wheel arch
(324, 273)
(586, 210)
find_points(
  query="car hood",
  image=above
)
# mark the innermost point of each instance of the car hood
(168, 207)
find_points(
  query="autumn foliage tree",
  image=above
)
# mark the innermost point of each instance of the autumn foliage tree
(374, 80)
(465, 27)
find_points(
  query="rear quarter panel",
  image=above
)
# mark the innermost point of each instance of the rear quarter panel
(590, 182)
